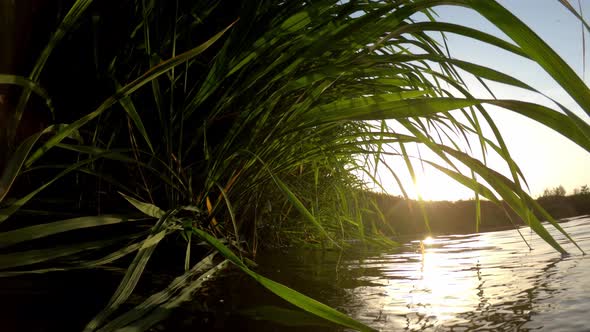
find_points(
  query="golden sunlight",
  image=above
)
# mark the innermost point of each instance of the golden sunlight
(434, 186)
(446, 294)
(442, 291)
(428, 240)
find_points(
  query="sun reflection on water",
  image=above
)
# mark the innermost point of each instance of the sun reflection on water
(428, 240)
(438, 290)
(442, 291)
(457, 282)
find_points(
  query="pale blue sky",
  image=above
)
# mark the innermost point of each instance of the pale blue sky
(546, 158)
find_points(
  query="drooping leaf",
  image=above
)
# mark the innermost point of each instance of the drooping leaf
(146, 208)
(127, 90)
(28, 84)
(130, 280)
(306, 303)
(36, 256)
(159, 305)
(57, 227)
(286, 317)
(535, 48)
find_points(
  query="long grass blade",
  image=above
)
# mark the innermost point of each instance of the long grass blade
(146, 208)
(159, 305)
(36, 256)
(301, 301)
(16, 162)
(130, 279)
(57, 227)
(30, 85)
(535, 47)
(5, 213)
(296, 202)
(69, 21)
(372, 108)
(127, 90)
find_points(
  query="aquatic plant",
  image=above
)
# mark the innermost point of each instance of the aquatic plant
(227, 123)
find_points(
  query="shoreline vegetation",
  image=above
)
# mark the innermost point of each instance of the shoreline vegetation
(456, 217)
(191, 133)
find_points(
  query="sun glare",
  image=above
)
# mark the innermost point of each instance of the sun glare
(434, 186)
(444, 284)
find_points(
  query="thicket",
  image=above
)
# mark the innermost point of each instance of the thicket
(227, 125)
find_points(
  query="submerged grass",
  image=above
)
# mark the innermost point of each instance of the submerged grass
(257, 122)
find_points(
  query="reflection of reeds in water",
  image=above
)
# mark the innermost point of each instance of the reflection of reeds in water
(422, 249)
(234, 125)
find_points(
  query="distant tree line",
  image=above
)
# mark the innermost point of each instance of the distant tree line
(444, 217)
(557, 191)
(560, 191)
(583, 190)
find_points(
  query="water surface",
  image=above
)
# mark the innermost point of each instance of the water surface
(477, 282)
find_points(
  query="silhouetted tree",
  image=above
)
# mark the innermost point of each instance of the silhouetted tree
(554, 192)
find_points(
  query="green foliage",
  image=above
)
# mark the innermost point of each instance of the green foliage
(255, 121)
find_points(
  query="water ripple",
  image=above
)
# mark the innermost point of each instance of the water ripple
(479, 282)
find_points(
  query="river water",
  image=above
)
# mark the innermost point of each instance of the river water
(478, 282)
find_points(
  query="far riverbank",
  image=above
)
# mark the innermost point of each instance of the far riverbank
(446, 217)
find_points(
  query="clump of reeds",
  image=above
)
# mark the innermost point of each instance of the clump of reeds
(231, 124)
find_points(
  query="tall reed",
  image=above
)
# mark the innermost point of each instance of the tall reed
(237, 123)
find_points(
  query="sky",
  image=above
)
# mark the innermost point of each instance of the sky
(547, 159)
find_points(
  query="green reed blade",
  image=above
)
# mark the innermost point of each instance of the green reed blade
(127, 90)
(130, 280)
(306, 303)
(146, 208)
(28, 84)
(536, 48)
(39, 231)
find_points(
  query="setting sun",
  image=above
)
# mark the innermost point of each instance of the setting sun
(431, 185)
